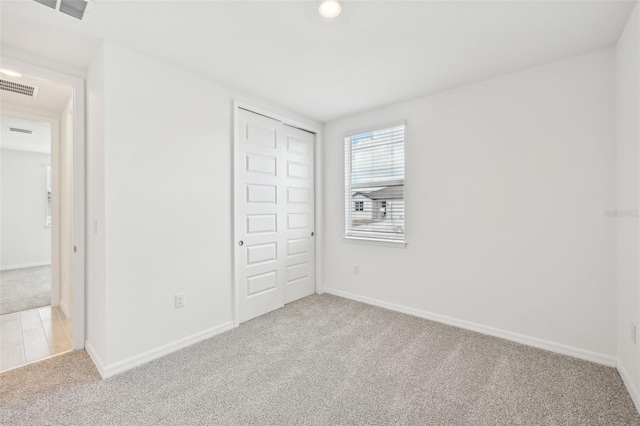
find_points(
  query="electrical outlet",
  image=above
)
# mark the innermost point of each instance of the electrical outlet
(181, 300)
(356, 269)
(633, 333)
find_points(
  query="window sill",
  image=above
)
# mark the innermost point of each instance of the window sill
(375, 242)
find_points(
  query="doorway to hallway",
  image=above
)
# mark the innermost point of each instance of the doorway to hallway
(36, 220)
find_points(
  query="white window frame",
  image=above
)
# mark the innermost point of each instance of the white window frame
(364, 237)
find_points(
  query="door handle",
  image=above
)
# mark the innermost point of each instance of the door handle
(240, 243)
(313, 233)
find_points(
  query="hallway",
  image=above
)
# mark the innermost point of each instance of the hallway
(33, 335)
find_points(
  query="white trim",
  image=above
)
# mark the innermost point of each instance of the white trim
(25, 265)
(107, 371)
(375, 241)
(535, 342)
(318, 202)
(318, 182)
(234, 214)
(66, 76)
(374, 128)
(285, 120)
(65, 309)
(95, 358)
(633, 392)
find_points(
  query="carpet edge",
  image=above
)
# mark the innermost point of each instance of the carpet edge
(110, 370)
(95, 358)
(559, 348)
(633, 392)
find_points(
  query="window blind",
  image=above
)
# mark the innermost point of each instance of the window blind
(374, 184)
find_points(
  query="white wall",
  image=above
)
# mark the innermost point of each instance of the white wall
(66, 209)
(628, 158)
(507, 181)
(24, 238)
(167, 203)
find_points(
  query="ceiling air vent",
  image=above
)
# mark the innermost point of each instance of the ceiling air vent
(48, 3)
(17, 130)
(74, 8)
(21, 89)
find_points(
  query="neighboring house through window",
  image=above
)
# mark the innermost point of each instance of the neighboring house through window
(374, 184)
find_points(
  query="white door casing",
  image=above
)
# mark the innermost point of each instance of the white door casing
(274, 219)
(78, 85)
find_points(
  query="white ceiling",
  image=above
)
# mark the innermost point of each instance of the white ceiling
(375, 53)
(39, 141)
(52, 96)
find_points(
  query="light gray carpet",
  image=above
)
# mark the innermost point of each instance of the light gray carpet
(26, 288)
(324, 360)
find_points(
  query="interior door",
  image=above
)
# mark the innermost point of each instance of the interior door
(299, 186)
(274, 218)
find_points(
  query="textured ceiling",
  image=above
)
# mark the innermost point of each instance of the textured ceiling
(373, 54)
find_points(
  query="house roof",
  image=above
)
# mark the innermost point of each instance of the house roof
(386, 193)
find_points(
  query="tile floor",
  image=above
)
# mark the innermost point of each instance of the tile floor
(33, 335)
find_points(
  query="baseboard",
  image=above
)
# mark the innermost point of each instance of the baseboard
(107, 371)
(24, 265)
(95, 358)
(65, 309)
(635, 396)
(583, 354)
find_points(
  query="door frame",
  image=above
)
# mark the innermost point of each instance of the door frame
(318, 206)
(78, 85)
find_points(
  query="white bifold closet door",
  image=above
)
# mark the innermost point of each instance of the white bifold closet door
(275, 214)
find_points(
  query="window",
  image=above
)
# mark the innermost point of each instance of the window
(374, 185)
(48, 223)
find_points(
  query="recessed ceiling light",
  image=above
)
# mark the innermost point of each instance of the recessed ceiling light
(330, 8)
(10, 73)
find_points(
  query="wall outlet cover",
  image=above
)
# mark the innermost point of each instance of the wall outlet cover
(181, 300)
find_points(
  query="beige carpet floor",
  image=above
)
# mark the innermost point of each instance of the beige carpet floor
(24, 289)
(324, 360)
